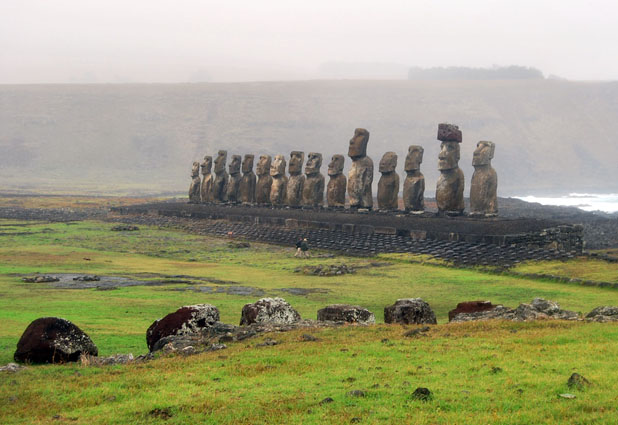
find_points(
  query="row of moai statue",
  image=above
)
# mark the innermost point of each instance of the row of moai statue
(273, 187)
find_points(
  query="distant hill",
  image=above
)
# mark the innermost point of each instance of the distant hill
(512, 72)
(551, 136)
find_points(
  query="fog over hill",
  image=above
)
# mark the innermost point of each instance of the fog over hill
(551, 136)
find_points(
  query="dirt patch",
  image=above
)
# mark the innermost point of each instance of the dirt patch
(72, 281)
(305, 291)
(229, 290)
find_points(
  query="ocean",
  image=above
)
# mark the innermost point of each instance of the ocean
(586, 201)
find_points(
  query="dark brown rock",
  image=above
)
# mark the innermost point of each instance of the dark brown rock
(194, 189)
(265, 181)
(335, 191)
(346, 313)
(296, 180)
(484, 185)
(450, 186)
(233, 183)
(269, 310)
(313, 191)
(360, 177)
(449, 133)
(248, 181)
(409, 311)
(388, 185)
(184, 321)
(207, 181)
(538, 309)
(220, 185)
(414, 184)
(471, 307)
(53, 340)
(278, 190)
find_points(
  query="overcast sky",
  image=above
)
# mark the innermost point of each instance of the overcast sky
(64, 41)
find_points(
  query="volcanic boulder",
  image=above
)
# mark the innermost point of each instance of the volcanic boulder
(346, 313)
(603, 314)
(539, 308)
(53, 340)
(269, 310)
(470, 307)
(184, 321)
(409, 311)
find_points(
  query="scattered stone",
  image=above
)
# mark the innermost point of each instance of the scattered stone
(577, 381)
(326, 270)
(87, 278)
(269, 310)
(470, 307)
(349, 379)
(88, 360)
(40, 279)
(124, 228)
(539, 308)
(268, 342)
(567, 395)
(495, 370)
(308, 338)
(603, 314)
(53, 340)
(11, 368)
(355, 420)
(185, 320)
(416, 332)
(422, 394)
(161, 413)
(237, 245)
(409, 311)
(326, 400)
(356, 393)
(346, 313)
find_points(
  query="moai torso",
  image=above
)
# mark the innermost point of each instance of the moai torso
(313, 192)
(388, 185)
(194, 189)
(207, 182)
(220, 185)
(414, 184)
(450, 186)
(296, 181)
(484, 186)
(335, 191)
(248, 181)
(265, 181)
(280, 181)
(360, 177)
(233, 183)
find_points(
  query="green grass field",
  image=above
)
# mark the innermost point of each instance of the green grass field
(510, 373)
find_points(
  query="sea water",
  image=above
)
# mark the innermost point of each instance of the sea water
(586, 201)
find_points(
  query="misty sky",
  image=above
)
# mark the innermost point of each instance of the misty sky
(67, 41)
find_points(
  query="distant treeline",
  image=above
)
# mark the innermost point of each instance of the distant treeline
(512, 72)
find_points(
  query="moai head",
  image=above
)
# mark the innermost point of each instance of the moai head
(247, 163)
(336, 165)
(234, 166)
(296, 162)
(388, 163)
(414, 158)
(207, 165)
(195, 170)
(278, 166)
(484, 153)
(220, 161)
(263, 166)
(358, 144)
(450, 136)
(314, 162)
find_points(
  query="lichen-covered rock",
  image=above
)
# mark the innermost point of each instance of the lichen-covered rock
(346, 313)
(470, 307)
(269, 310)
(539, 308)
(53, 340)
(186, 320)
(409, 311)
(605, 313)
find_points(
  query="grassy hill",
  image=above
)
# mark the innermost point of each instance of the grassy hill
(551, 136)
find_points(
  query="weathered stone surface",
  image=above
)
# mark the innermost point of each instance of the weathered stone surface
(388, 185)
(577, 381)
(265, 181)
(449, 133)
(484, 185)
(194, 189)
(12, 368)
(278, 190)
(450, 186)
(269, 310)
(422, 394)
(346, 313)
(53, 340)
(248, 181)
(335, 191)
(360, 177)
(409, 311)
(233, 183)
(313, 192)
(414, 184)
(471, 307)
(186, 320)
(538, 309)
(220, 185)
(296, 180)
(603, 314)
(206, 186)
(40, 279)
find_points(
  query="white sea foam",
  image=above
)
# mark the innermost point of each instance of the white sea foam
(585, 201)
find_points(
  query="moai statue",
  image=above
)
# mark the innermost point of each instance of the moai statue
(206, 186)
(450, 186)
(265, 181)
(414, 184)
(219, 191)
(360, 176)
(296, 181)
(247, 183)
(484, 187)
(335, 191)
(388, 185)
(280, 181)
(313, 193)
(194, 189)
(233, 183)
